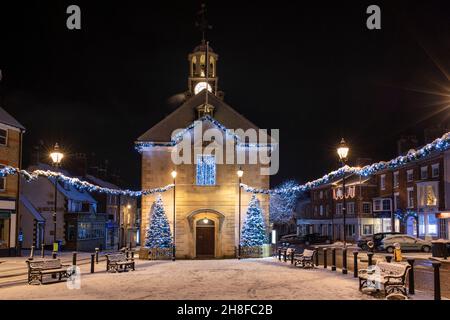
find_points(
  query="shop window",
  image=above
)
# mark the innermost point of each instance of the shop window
(350, 230)
(432, 225)
(367, 229)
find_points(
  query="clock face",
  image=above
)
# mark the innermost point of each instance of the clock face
(202, 86)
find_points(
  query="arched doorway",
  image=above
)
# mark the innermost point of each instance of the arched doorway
(205, 233)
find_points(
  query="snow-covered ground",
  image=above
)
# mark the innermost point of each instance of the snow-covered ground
(201, 279)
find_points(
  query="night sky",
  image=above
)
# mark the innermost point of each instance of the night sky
(311, 69)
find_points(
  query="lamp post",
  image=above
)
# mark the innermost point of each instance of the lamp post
(128, 226)
(240, 173)
(342, 152)
(174, 176)
(56, 157)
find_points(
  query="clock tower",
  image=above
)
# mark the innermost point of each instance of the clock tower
(203, 62)
(203, 69)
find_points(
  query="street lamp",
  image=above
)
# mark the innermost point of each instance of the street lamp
(174, 176)
(56, 157)
(240, 173)
(342, 152)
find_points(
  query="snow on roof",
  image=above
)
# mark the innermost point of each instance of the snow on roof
(68, 191)
(31, 208)
(8, 119)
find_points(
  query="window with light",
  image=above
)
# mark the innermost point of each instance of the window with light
(206, 170)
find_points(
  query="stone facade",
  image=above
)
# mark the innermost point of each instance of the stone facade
(194, 203)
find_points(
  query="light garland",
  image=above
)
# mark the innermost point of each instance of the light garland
(141, 145)
(438, 145)
(79, 184)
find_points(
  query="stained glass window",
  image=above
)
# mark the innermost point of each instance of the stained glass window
(206, 170)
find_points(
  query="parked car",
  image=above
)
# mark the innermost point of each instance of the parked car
(292, 239)
(407, 243)
(312, 238)
(375, 238)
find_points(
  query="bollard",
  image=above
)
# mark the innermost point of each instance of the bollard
(92, 262)
(355, 264)
(284, 255)
(333, 259)
(42, 251)
(31, 253)
(344, 261)
(369, 256)
(54, 256)
(325, 258)
(388, 259)
(411, 277)
(279, 254)
(317, 255)
(292, 256)
(437, 281)
(74, 258)
(127, 254)
(96, 255)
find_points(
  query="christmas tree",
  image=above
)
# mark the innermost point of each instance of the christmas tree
(158, 233)
(254, 229)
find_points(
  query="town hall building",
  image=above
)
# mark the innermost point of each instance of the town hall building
(207, 188)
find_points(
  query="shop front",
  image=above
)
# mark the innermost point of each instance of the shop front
(7, 228)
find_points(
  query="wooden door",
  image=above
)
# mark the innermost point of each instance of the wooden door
(205, 241)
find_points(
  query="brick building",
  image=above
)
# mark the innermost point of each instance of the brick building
(414, 198)
(11, 133)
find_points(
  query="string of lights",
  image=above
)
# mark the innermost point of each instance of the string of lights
(438, 145)
(79, 184)
(177, 138)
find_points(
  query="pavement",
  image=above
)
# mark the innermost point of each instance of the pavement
(249, 279)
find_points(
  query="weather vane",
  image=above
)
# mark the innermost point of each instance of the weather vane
(202, 23)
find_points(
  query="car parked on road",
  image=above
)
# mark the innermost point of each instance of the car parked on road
(406, 242)
(307, 239)
(315, 238)
(375, 238)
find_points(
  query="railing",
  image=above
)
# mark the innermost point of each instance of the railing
(252, 252)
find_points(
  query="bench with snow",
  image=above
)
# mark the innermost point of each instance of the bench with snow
(305, 260)
(38, 268)
(391, 276)
(118, 262)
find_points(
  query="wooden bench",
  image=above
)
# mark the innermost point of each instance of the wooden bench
(306, 259)
(392, 276)
(118, 262)
(38, 268)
